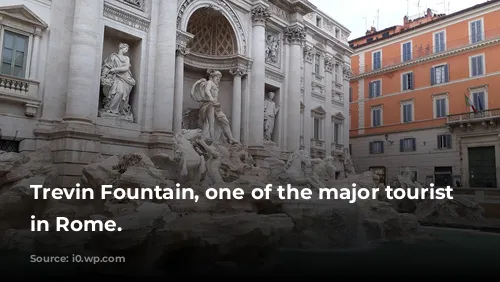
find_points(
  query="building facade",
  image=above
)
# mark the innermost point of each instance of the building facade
(423, 97)
(61, 60)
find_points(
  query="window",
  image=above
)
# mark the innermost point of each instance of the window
(317, 64)
(350, 149)
(337, 73)
(406, 51)
(369, 40)
(336, 133)
(350, 94)
(479, 100)
(376, 116)
(407, 145)
(439, 74)
(407, 111)
(376, 147)
(385, 34)
(14, 54)
(476, 31)
(440, 106)
(407, 81)
(374, 89)
(444, 141)
(377, 60)
(439, 42)
(318, 21)
(476, 65)
(317, 128)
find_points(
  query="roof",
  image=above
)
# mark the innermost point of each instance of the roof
(484, 4)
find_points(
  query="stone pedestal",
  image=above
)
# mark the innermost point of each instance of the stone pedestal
(74, 146)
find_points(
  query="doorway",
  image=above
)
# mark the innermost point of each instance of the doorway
(482, 167)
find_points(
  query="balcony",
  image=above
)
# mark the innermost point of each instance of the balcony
(427, 51)
(337, 147)
(468, 120)
(22, 91)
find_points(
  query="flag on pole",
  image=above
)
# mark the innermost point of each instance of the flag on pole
(469, 103)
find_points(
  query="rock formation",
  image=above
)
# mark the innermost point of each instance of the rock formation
(219, 230)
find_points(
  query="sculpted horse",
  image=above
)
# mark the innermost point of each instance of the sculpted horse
(298, 170)
(191, 162)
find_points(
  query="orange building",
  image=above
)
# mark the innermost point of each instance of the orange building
(425, 96)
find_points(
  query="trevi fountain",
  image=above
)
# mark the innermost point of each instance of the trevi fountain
(201, 105)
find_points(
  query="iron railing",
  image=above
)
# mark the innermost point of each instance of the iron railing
(473, 116)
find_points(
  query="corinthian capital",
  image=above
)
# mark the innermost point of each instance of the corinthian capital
(260, 14)
(181, 50)
(238, 71)
(295, 35)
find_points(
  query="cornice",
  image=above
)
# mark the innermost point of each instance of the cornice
(428, 58)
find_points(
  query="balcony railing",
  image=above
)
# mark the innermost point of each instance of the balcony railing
(420, 51)
(19, 90)
(337, 147)
(474, 116)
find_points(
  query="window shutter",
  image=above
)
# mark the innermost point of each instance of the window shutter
(446, 73)
(405, 82)
(479, 64)
(410, 113)
(441, 42)
(410, 81)
(381, 146)
(370, 147)
(433, 76)
(479, 34)
(448, 141)
(370, 89)
(401, 145)
(437, 143)
(378, 88)
(414, 144)
(473, 31)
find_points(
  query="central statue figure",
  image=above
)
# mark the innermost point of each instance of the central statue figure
(213, 121)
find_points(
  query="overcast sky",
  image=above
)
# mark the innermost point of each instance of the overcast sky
(352, 13)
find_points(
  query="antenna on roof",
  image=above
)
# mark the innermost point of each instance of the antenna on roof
(407, 8)
(378, 16)
(366, 23)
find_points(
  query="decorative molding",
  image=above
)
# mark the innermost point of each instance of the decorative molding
(295, 35)
(227, 8)
(318, 112)
(119, 15)
(181, 50)
(210, 62)
(308, 53)
(260, 14)
(346, 70)
(274, 75)
(137, 4)
(428, 58)
(329, 64)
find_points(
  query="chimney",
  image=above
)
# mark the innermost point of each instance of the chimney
(428, 13)
(405, 20)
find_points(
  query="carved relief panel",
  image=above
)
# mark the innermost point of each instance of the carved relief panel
(273, 48)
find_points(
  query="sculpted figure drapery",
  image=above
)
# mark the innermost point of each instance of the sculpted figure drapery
(214, 122)
(270, 112)
(117, 82)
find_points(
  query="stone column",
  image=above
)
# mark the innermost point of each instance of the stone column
(306, 82)
(179, 87)
(236, 111)
(260, 14)
(329, 65)
(35, 55)
(83, 96)
(295, 37)
(181, 51)
(164, 75)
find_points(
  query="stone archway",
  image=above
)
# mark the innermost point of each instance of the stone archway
(213, 34)
(188, 8)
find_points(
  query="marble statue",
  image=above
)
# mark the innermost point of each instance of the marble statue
(191, 164)
(270, 112)
(117, 83)
(325, 169)
(214, 122)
